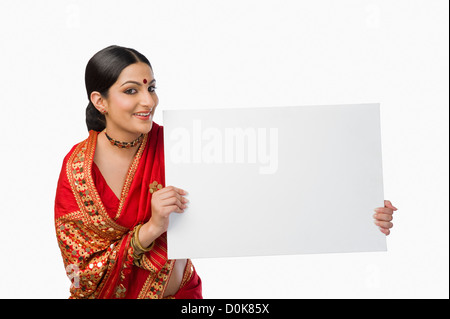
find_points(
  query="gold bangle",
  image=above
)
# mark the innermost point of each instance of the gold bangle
(137, 243)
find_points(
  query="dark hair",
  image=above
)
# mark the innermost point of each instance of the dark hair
(102, 72)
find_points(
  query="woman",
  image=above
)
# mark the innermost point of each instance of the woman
(112, 209)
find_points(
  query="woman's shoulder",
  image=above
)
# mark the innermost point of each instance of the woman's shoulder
(156, 126)
(157, 130)
(92, 134)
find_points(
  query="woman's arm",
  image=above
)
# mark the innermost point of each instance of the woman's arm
(164, 202)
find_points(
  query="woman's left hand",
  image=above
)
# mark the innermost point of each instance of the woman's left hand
(383, 217)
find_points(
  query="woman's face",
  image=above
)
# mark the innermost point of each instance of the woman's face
(131, 103)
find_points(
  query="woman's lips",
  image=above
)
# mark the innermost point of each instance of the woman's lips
(143, 115)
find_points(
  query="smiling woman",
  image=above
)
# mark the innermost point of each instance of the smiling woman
(129, 105)
(109, 70)
(111, 208)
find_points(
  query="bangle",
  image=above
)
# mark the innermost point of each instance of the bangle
(138, 249)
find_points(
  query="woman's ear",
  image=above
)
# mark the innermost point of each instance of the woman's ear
(99, 102)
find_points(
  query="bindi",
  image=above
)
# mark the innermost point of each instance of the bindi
(145, 81)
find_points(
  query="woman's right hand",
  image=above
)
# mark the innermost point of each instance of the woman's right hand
(165, 201)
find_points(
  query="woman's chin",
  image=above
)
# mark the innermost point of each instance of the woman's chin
(146, 128)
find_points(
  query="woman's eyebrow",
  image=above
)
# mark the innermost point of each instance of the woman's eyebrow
(137, 83)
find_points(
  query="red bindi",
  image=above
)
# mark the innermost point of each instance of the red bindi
(145, 81)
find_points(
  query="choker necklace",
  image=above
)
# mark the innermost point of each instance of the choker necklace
(125, 144)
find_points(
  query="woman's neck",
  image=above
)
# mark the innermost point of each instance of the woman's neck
(106, 144)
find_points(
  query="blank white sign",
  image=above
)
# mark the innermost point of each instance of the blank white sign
(275, 181)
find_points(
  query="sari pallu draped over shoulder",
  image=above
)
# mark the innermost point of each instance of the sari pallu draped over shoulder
(96, 244)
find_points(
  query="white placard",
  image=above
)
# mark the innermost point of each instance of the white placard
(275, 181)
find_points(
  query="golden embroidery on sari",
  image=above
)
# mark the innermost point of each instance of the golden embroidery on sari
(80, 249)
(130, 175)
(155, 285)
(96, 250)
(88, 237)
(78, 173)
(188, 272)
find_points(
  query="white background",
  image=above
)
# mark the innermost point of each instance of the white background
(245, 53)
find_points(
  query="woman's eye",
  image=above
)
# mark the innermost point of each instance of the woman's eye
(130, 91)
(151, 88)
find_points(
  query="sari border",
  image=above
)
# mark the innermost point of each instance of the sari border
(78, 171)
(188, 272)
(156, 284)
(92, 214)
(130, 176)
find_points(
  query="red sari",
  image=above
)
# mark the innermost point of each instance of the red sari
(94, 228)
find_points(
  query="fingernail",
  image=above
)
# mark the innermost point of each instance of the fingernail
(375, 216)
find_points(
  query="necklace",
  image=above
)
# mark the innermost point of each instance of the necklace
(124, 144)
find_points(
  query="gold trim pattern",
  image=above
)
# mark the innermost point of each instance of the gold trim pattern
(130, 175)
(84, 233)
(79, 173)
(94, 213)
(155, 286)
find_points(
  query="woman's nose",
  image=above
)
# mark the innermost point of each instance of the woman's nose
(150, 100)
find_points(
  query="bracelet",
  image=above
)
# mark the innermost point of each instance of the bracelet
(137, 247)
